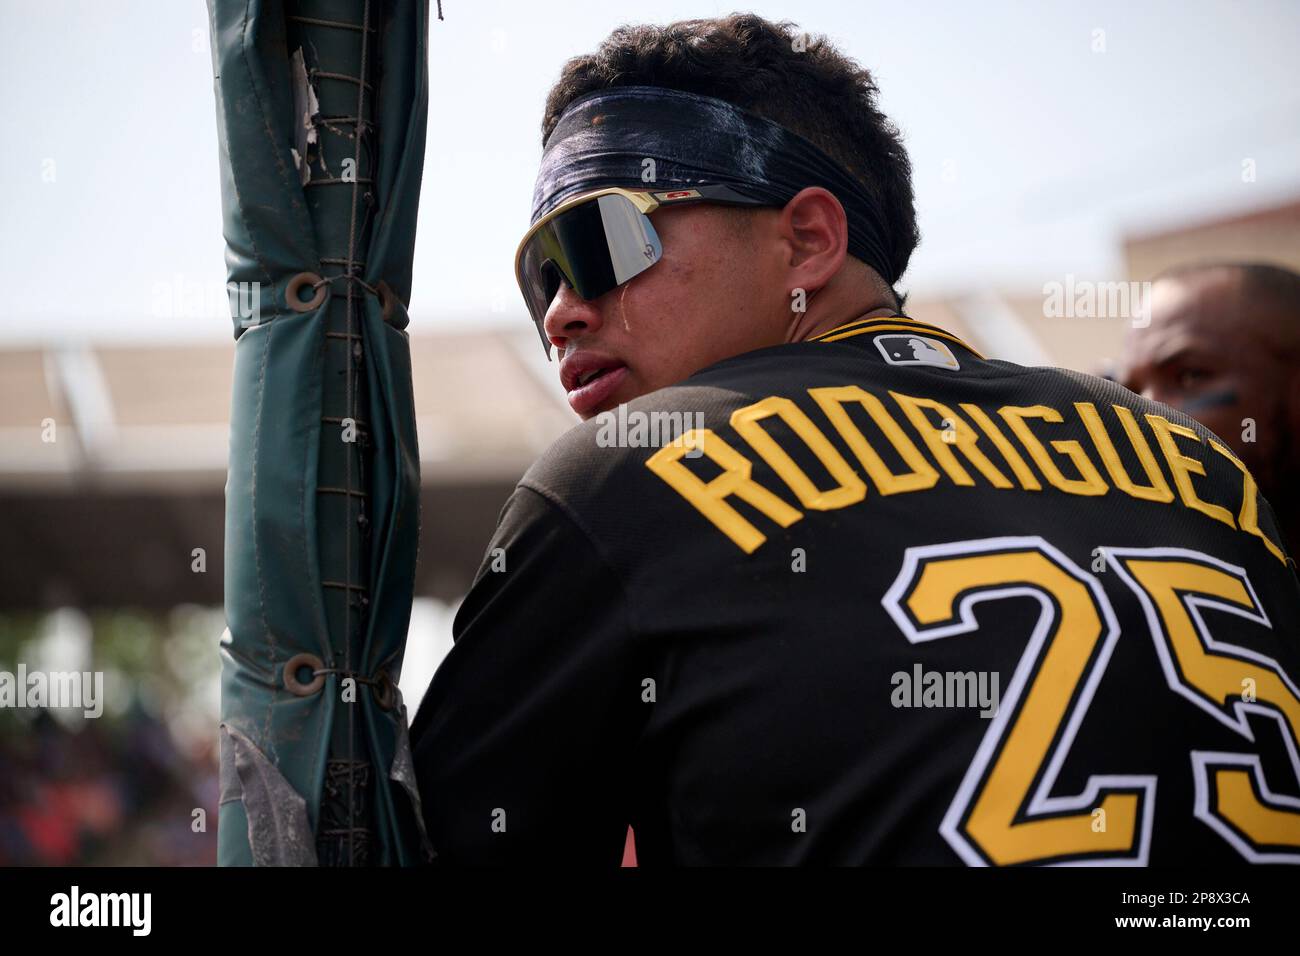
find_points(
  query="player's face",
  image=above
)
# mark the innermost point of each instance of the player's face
(712, 295)
(1207, 352)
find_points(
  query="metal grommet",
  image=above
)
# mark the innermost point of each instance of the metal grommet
(383, 690)
(385, 299)
(292, 292)
(297, 663)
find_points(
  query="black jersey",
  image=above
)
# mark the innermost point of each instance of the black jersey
(873, 598)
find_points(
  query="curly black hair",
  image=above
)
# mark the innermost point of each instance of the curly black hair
(776, 71)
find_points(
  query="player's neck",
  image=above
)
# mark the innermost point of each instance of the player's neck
(810, 326)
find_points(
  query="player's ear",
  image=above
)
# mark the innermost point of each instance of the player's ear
(816, 233)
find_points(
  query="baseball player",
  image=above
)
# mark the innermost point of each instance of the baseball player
(817, 583)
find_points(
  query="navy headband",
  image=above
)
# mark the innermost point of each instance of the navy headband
(603, 139)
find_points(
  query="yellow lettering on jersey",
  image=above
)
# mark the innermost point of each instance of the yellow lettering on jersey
(1248, 517)
(995, 819)
(1263, 824)
(951, 432)
(710, 497)
(1158, 489)
(851, 488)
(1003, 445)
(1184, 467)
(832, 401)
(1214, 674)
(945, 434)
(1089, 481)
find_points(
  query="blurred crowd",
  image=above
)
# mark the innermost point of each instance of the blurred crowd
(117, 792)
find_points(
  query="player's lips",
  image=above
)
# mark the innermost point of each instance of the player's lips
(590, 378)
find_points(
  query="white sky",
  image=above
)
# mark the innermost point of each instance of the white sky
(1033, 155)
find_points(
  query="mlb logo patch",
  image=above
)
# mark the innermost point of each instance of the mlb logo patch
(916, 350)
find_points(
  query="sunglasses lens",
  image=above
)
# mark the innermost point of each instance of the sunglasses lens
(551, 279)
(594, 247)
